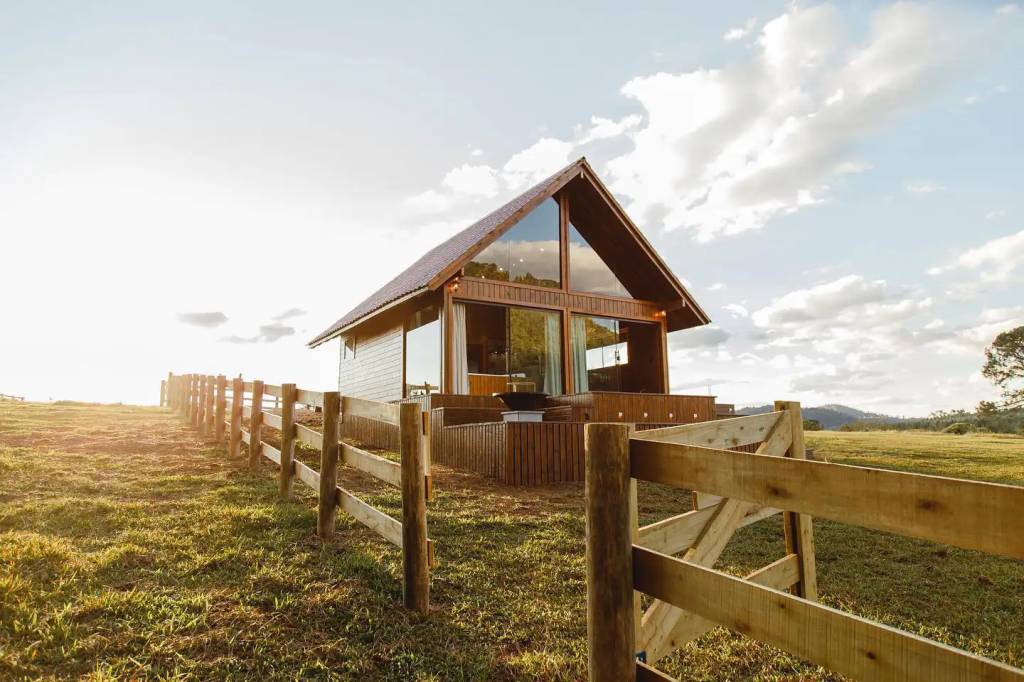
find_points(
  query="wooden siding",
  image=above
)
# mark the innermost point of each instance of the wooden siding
(648, 408)
(375, 373)
(370, 432)
(482, 290)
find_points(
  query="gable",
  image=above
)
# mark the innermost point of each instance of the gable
(602, 223)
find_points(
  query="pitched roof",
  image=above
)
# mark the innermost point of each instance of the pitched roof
(445, 259)
(419, 275)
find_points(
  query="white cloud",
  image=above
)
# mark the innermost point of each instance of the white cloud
(737, 310)
(850, 314)
(536, 162)
(995, 215)
(474, 181)
(430, 201)
(698, 337)
(726, 150)
(717, 286)
(740, 32)
(972, 340)
(996, 260)
(477, 152)
(605, 128)
(1008, 10)
(970, 99)
(924, 187)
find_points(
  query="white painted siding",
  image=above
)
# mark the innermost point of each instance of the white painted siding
(375, 373)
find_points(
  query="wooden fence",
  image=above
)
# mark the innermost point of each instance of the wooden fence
(690, 597)
(203, 400)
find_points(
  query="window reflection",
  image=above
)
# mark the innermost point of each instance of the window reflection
(587, 271)
(423, 352)
(511, 349)
(528, 253)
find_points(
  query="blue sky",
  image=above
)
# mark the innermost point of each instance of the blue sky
(839, 183)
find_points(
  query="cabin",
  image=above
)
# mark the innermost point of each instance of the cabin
(556, 293)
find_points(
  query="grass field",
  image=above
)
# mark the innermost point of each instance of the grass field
(131, 549)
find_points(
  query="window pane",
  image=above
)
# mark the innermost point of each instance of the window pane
(423, 352)
(535, 360)
(587, 272)
(486, 348)
(528, 253)
(603, 351)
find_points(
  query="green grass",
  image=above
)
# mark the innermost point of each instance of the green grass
(131, 549)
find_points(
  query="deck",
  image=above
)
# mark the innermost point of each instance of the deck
(466, 432)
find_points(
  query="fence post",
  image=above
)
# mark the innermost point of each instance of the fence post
(204, 396)
(256, 425)
(200, 401)
(416, 588)
(222, 404)
(329, 466)
(428, 483)
(163, 392)
(611, 637)
(287, 439)
(798, 527)
(235, 432)
(210, 413)
(193, 414)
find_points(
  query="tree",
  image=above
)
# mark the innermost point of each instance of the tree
(1004, 365)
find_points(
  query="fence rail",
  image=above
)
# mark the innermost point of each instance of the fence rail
(203, 401)
(625, 561)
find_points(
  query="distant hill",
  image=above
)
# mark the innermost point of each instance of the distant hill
(830, 416)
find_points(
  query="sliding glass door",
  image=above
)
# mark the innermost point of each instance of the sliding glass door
(506, 349)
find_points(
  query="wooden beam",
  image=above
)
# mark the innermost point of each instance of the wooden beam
(270, 452)
(662, 618)
(304, 397)
(271, 419)
(222, 404)
(235, 431)
(256, 424)
(329, 466)
(678, 533)
(307, 475)
(368, 409)
(799, 529)
(845, 643)
(721, 433)
(779, 575)
(968, 514)
(415, 557)
(374, 465)
(371, 517)
(287, 426)
(611, 636)
(309, 436)
(209, 413)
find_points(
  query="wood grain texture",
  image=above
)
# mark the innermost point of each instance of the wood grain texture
(287, 426)
(842, 642)
(610, 618)
(256, 424)
(235, 430)
(415, 557)
(328, 466)
(722, 433)
(380, 468)
(968, 514)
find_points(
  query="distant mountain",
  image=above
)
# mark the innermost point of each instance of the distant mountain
(830, 416)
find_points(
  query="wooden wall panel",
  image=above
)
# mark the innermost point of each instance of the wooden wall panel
(375, 373)
(486, 291)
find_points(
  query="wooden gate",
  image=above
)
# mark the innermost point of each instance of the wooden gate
(738, 488)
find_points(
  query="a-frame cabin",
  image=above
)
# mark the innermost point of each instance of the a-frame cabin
(556, 292)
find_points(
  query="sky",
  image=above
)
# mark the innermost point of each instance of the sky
(203, 187)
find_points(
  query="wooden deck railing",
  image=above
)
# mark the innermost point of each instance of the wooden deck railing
(690, 597)
(203, 400)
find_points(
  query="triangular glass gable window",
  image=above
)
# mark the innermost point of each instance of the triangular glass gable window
(528, 253)
(588, 272)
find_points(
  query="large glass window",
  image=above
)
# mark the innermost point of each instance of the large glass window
(587, 271)
(510, 349)
(528, 253)
(615, 355)
(423, 352)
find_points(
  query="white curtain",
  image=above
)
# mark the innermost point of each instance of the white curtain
(579, 354)
(457, 353)
(553, 354)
